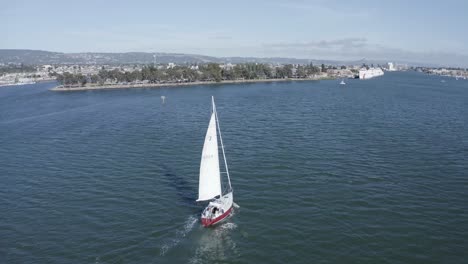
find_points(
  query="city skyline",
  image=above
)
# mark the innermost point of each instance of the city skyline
(419, 31)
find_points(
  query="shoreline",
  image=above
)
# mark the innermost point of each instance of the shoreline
(158, 85)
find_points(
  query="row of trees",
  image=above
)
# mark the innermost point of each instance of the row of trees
(72, 79)
(207, 72)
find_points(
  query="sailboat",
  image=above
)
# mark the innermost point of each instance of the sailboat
(342, 82)
(220, 204)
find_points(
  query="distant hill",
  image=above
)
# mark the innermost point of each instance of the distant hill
(29, 56)
(47, 57)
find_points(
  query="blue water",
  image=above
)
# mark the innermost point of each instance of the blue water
(371, 172)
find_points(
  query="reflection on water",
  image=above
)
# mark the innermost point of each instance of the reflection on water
(216, 244)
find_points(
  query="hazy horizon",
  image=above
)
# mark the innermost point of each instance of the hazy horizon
(418, 31)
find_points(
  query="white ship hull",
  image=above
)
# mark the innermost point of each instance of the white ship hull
(370, 73)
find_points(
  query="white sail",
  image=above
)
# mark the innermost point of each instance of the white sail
(210, 180)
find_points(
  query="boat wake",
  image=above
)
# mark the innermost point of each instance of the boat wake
(179, 235)
(228, 226)
(216, 245)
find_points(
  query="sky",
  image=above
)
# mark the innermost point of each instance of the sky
(432, 32)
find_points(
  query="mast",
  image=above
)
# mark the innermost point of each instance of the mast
(221, 140)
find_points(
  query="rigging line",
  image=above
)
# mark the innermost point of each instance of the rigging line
(222, 145)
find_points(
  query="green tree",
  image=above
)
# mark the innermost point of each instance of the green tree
(301, 72)
(95, 78)
(267, 71)
(237, 72)
(288, 70)
(81, 79)
(212, 71)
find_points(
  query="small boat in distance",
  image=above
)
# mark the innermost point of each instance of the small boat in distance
(210, 189)
(342, 82)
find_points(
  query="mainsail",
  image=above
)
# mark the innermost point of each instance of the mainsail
(210, 180)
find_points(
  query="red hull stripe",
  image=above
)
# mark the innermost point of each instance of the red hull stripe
(208, 222)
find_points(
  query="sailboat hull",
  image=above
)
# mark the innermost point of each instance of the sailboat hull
(217, 210)
(207, 222)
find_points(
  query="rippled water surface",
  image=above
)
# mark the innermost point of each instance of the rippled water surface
(371, 172)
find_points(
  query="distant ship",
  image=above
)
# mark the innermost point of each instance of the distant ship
(342, 82)
(370, 73)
